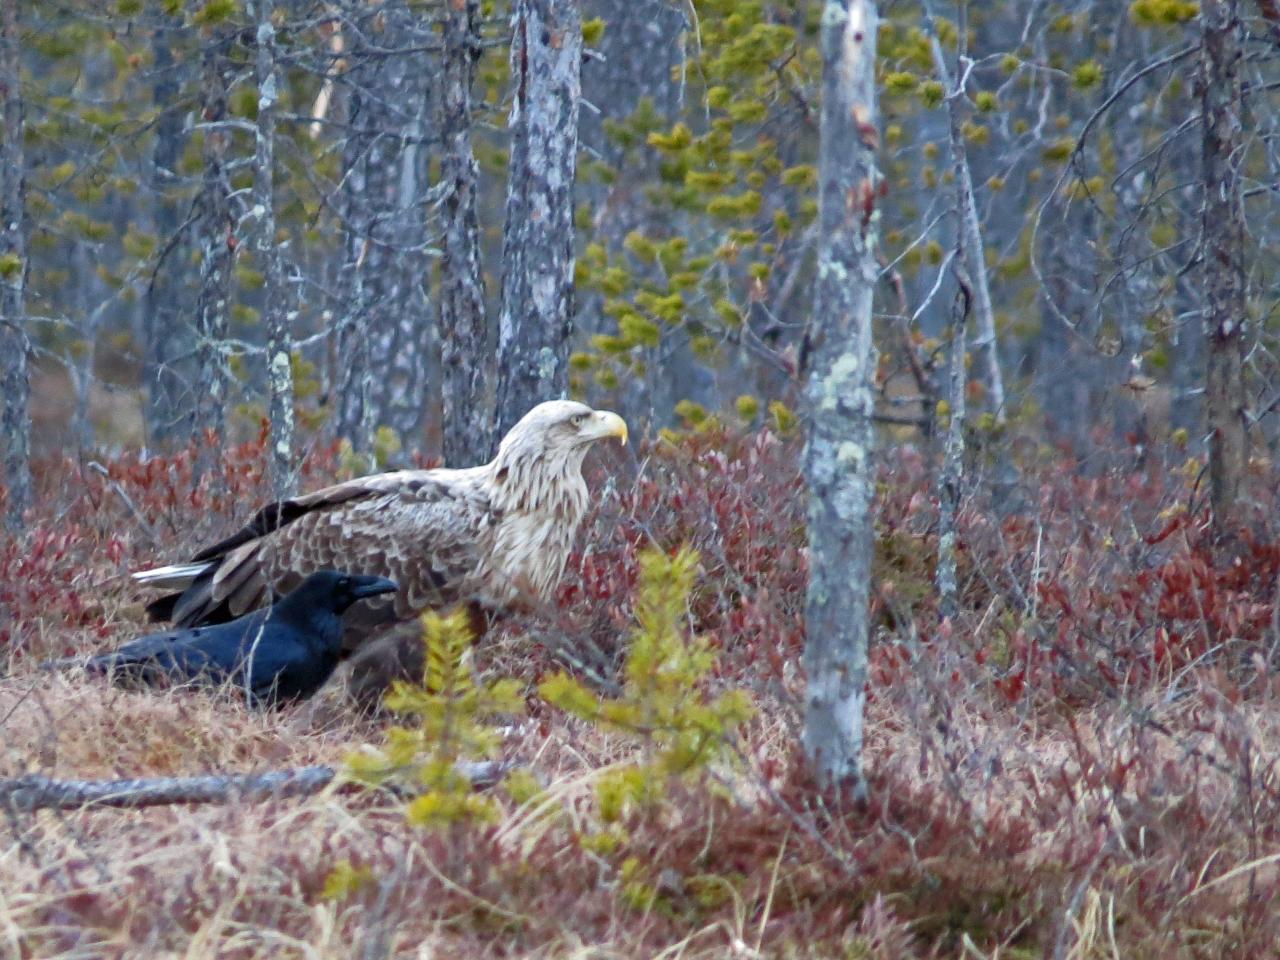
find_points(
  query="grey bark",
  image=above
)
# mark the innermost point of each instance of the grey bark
(838, 454)
(385, 334)
(217, 247)
(972, 250)
(82, 370)
(951, 477)
(464, 333)
(1221, 103)
(166, 327)
(36, 792)
(15, 422)
(276, 314)
(45, 793)
(537, 248)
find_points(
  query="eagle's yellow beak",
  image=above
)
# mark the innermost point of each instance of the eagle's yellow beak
(609, 424)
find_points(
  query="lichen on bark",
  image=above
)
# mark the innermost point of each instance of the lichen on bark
(838, 454)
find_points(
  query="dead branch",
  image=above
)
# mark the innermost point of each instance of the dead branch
(37, 792)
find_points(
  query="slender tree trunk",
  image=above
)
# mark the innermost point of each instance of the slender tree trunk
(1221, 104)
(166, 323)
(972, 250)
(951, 477)
(275, 303)
(464, 335)
(385, 333)
(354, 378)
(15, 422)
(217, 242)
(405, 332)
(82, 370)
(838, 455)
(537, 248)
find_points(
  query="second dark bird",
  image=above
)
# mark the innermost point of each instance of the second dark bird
(283, 653)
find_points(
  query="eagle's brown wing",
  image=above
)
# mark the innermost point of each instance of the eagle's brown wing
(425, 529)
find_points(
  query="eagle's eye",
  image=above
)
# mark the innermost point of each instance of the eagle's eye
(578, 419)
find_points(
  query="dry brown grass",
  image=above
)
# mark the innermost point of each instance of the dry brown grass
(1043, 783)
(244, 880)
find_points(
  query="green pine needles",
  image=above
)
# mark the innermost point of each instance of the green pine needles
(448, 719)
(682, 730)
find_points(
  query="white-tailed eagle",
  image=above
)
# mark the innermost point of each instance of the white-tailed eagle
(493, 537)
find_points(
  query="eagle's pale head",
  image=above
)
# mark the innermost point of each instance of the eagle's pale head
(560, 428)
(539, 462)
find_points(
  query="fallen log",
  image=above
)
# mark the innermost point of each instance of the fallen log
(38, 792)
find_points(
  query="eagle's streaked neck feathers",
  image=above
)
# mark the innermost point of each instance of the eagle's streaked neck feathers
(539, 497)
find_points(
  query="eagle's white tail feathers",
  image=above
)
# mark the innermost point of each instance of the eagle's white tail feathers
(173, 577)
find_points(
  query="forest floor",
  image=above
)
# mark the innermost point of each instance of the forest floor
(1081, 764)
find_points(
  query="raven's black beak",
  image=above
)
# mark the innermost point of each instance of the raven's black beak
(372, 586)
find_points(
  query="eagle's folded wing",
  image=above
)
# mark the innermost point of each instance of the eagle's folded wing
(425, 529)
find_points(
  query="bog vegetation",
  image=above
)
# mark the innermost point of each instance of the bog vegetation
(1081, 761)
(262, 246)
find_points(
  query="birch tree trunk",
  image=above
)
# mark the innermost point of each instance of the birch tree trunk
(275, 296)
(537, 248)
(15, 385)
(217, 243)
(1221, 99)
(464, 335)
(838, 454)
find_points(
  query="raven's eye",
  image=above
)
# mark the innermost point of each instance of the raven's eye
(344, 583)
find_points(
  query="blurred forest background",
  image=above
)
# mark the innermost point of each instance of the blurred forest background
(371, 145)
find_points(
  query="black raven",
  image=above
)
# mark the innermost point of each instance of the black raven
(278, 654)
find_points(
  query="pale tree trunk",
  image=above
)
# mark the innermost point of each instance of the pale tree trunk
(92, 307)
(166, 316)
(354, 421)
(464, 339)
(838, 455)
(972, 250)
(352, 380)
(385, 333)
(14, 378)
(276, 315)
(217, 243)
(951, 477)
(1221, 98)
(537, 248)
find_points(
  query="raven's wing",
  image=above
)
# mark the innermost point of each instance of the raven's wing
(211, 653)
(425, 529)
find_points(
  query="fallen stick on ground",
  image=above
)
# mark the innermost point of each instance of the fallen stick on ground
(36, 792)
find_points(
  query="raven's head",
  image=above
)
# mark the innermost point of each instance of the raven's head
(335, 590)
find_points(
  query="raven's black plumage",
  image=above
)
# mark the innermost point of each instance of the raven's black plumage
(290, 648)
